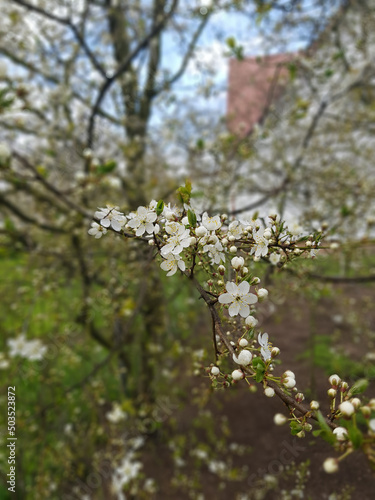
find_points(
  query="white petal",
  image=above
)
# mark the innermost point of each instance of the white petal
(244, 310)
(250, 298)
(116, 225)
(234, 308)
(181, 265)
(243, 288)
(140, 231)
(226, 298)
(105, 222)
(231, 287)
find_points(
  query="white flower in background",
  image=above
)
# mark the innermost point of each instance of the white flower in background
(211, 223)
(275, 258)
(331, 465)
(97, 230)
(17, 345)
(279, 419)
(239, 298)
(116, 414)
(295, 229)
(347, 409)
(4, 363)
(244, 358)
(34, 350)
(265, 346)
(111, 217)
(262, 293)
(340, 433)
(142, 221)
(179, 239)
(127, 470)
(217, 467)
(250, 224)
(260, 249)
(199, 453)
(235, 229)
(171, 263)
(215, 252)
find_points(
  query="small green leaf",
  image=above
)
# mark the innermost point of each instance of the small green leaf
(258, 362)
(192, 218)
(259, 376)
(359, 386)
(295, 427)
(106, 168)
(355, 435)
(159, 207)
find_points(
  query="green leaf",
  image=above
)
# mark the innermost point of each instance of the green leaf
(292, 67)
(258, 362)
(106, 168)
(259, 376)
(295, 427)
(192, 218)
(359, 386)
(159, 207)
(231, 42)
(355, 435)
(326, 432)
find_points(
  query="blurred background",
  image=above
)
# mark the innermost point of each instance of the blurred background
(265, 106)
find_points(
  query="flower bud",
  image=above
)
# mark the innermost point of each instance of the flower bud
(279, 419)
(340, 433)
(221, 270)
(237, 375)
(231, 238)
(237, 263)
(331, 465)
(224, 242)
(332, 393)
(193, 240)
(299, 397)
(344, 386)
(251, 322)
(366, 411)
(215, 371)
(372, 424)
(245, 271)
(308, 243)
(269, 392)
(255, 280)
(301, 434)
(289, 382)
(243, 342)
(347, 409)
(372, 404)
(151, 243)
(289, 374)
(267, 234)
(201, 231)
(233, 249)
(275, 351)
(307, 427)
(334, 380)
(244, 358)
(356, 402)
(262, 293)
(314, 405)
(256, 259)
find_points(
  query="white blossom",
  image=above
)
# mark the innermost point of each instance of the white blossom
(263, 342)
(142, 221)
(211, 223)
(97, 230)
(171, 263)
(244, 358)
(235, 229)
(33, 350)
(111, 217)
(116, 414)
(251, 322)
(340, 433)
(215, 252)
(260, 249)
(239, 298)
(179, 239)
(275, 258)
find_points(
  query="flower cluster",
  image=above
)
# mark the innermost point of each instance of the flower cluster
(33, 350)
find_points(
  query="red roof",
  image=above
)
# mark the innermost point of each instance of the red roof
(254, 84)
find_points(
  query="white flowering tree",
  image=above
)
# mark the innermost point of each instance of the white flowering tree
(79, 84)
